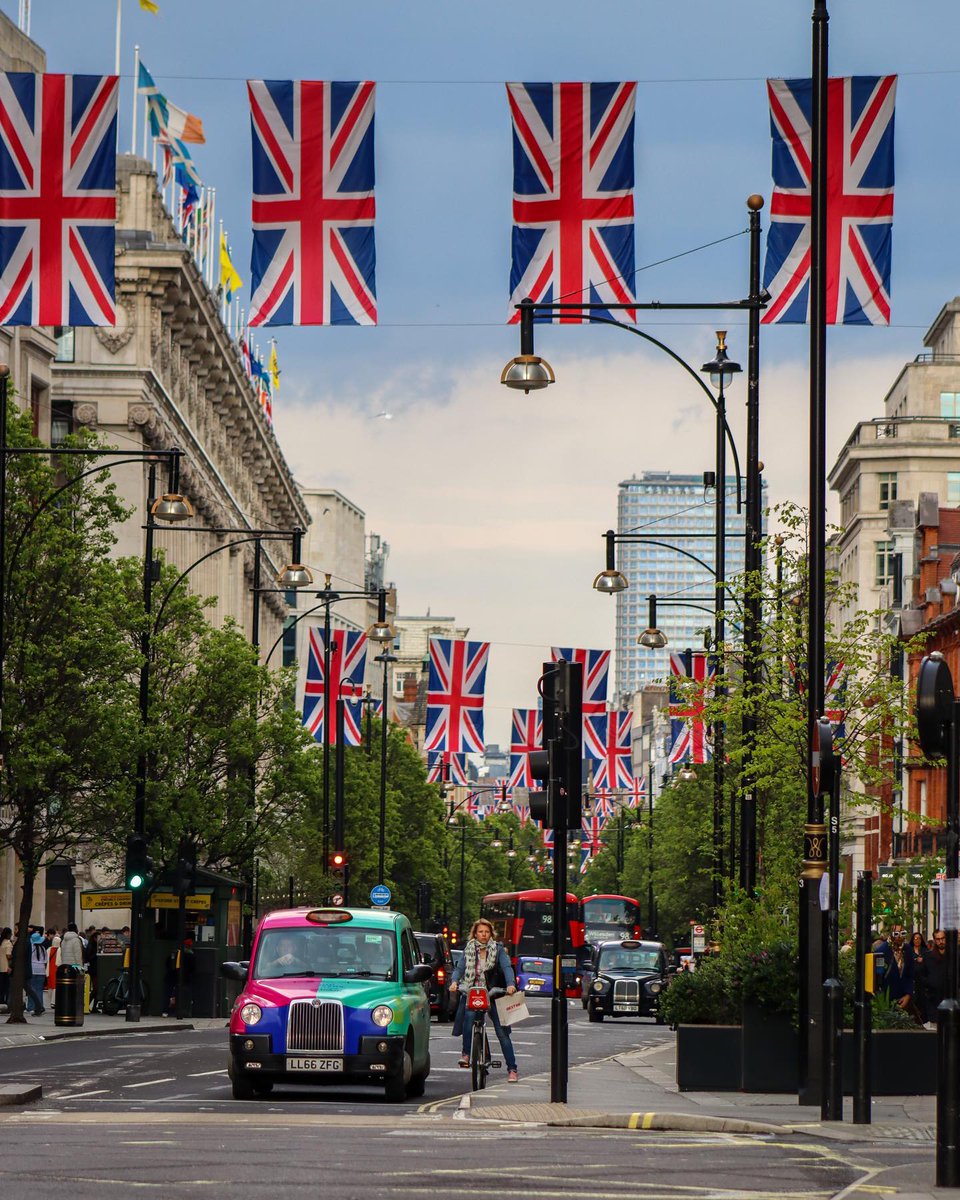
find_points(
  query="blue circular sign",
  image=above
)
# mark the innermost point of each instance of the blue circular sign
(380, 894)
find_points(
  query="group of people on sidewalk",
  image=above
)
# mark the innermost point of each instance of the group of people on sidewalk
(913, 974)
(49, 949)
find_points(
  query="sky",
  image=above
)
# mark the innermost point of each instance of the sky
(494, 503)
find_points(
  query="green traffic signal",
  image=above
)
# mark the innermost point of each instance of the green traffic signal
(139, 864)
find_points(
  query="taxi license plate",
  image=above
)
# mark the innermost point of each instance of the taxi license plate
(314, 1064)
(536, 982)
(624, 1008)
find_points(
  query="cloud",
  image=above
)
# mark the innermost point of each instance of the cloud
(494, 503)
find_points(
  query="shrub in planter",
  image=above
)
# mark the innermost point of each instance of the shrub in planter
(699, 997)
(767, 979)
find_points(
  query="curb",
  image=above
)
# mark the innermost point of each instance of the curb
(14, 1093)
(559, 1115)
(119, 1031)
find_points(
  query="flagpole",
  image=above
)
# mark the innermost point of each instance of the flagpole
(116, 57)
(136, 81)
(210, 254)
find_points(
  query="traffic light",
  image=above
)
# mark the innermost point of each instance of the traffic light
(541, 808)
(185, 875)
(569, 693)
(424, 893)
(139, 864)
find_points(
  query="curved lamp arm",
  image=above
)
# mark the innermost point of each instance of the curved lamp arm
(203, 558)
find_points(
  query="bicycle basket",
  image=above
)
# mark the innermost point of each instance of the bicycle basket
(477, 1000)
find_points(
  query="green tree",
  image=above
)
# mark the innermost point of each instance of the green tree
(70, 730)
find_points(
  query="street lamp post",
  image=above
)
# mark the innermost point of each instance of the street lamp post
(386, 658)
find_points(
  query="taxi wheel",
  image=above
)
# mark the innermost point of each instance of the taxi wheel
(240, 1085)
(418, 1084)
(595, 1015)
(263, 1087)
(396, 1089)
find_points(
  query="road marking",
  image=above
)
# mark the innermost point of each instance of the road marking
(77, 1095)
(200, 1074)
(151, 1082)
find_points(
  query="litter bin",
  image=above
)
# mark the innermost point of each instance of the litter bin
(68, 1000)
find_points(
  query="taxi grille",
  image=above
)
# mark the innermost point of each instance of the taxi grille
(315, 1027)
(626, 991)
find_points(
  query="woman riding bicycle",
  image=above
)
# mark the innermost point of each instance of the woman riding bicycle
(485, 964)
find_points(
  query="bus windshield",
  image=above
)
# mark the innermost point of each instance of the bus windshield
(609, 917)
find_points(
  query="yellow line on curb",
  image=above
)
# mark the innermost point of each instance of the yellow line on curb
(634, 1118)
(640, 1120)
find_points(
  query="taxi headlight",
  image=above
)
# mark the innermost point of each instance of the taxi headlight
(598, 985)
(655, 987)
(251, 1013)
(382, 1015)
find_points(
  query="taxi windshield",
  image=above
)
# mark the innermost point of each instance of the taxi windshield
(326, 952)
(621, 961)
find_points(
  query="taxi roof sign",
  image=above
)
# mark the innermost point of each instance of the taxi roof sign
(328, 916)
(630, 944)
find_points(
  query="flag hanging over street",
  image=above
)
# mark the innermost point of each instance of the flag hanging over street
(525, 739)
(313, 259)
(596, 668)
(638, 790)
(607, 741)
(573, 217)
(690, 740)
(458, 673)
(58, 135)
(166, 121)
(443, 766)
(348, 652)
(859, 216)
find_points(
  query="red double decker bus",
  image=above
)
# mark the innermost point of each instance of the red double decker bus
(610, 918)
(523, 922)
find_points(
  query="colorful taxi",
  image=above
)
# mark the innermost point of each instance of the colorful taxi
(331, 995)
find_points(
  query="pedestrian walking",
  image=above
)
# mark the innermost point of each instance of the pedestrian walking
(898, 980)
(90, 959)
(36, 982)
(6, 954)
(485, 964)
(934, 977)
(53, 952)
(71, 947)
(918, 948)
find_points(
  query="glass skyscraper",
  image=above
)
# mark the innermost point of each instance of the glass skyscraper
(658, 504)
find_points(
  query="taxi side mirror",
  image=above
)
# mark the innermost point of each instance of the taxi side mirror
(236, 971)
(421, 973)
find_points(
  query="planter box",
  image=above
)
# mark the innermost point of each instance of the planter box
(903, 1062)
(708, 1058)
(768, 1052)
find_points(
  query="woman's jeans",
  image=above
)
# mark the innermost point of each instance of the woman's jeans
(35, 985)
(503, 1033)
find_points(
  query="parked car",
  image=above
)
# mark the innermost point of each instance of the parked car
(625, 979)
(435, 951)
(330, 995)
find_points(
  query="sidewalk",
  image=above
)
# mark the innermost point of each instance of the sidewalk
(44, 1029)
(638, 1090)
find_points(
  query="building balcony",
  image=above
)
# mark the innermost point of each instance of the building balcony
(918, 843)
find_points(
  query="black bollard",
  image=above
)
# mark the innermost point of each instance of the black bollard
(863, 1004)
(68, 999)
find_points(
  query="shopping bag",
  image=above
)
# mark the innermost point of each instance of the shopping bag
(511, 1009)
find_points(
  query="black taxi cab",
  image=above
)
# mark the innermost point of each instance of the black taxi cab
(625, 979)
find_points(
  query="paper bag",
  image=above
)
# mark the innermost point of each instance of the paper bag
(511, 1009)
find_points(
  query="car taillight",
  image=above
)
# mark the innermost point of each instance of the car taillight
(441, 975)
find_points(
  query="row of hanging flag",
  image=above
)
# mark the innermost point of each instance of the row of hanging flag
(313, 260)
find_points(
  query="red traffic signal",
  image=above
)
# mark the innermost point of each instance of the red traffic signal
(338, 860)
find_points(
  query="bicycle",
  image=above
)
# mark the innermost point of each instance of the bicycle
(116, 993)
(478, 1002)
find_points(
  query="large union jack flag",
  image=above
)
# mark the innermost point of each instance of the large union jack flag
(443, 766)
(859, 217)
(687, 725)
(607, 741)
(348, 652)
(596, 668)
(526, 738)
(458, 673)
(572, 194)
(58, 157)
(313, 257)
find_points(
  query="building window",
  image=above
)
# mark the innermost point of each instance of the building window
(64, 338)
(950, 404)
(850, 503)
(955, 431)
(953, 487)
(883, 559)
(61, 421)
(888, 488)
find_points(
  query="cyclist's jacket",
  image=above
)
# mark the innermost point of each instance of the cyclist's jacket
(497, 972)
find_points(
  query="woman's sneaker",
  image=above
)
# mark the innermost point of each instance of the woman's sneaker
(512, 1077)
(464, 1060)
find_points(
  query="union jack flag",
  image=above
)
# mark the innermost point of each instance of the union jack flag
(590, 834)
(313, 257)
(572, 194)
(443, 766)
(603, 806)
(348, 652)
(527, 737)
(58, 135)
(596, 668)
(458, 672)
(687, 726)
(607, 740)
(859, 216)
(638, 789)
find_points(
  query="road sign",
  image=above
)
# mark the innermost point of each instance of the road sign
(336, 899)
(380, 894)
(699, 939)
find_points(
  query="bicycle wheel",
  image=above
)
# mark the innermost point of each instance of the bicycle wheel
(478, 1065)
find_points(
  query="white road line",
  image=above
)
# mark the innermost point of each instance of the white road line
(200, 1074)
(151, 1082)
(77, 1095)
